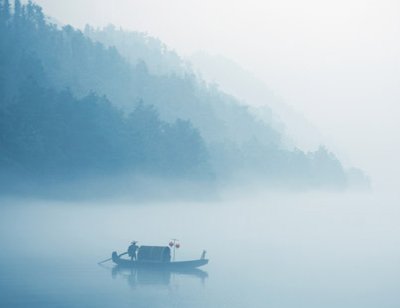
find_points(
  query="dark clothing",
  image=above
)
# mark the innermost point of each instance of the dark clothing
(132, 251)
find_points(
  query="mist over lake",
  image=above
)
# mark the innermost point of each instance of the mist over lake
(266, 250)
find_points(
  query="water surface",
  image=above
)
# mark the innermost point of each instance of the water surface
(305, 250)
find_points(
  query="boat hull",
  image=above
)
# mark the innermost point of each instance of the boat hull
(176, 265)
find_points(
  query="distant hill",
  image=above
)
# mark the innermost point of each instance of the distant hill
(137, 47)
(265, 105)
(73, 104)
(219, 73)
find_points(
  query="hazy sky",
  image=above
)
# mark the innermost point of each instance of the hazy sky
(337, 62)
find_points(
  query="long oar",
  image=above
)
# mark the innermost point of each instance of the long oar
(109, 259)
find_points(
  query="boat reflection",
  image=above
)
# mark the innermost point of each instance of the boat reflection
(142, 276)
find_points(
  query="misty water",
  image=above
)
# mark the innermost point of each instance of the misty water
(304, 250)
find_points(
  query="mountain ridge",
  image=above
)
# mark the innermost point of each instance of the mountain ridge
(235, 142)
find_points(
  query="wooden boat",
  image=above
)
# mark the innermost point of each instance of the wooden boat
(157, 264)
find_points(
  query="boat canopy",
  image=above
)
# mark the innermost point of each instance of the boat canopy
(154, 253)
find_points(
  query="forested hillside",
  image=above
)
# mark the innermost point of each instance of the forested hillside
(243, 134)
(47, 132)
(71, 106)
(139, 46)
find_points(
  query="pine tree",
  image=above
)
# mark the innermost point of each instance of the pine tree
(29, 10)
(17, 9)
(6, 10)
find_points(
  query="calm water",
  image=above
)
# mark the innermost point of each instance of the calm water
(265, 251)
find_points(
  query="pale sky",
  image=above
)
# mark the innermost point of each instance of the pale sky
(337, 62)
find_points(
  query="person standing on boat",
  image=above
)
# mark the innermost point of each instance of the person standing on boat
(132, 250)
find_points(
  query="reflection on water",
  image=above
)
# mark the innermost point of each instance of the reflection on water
(142, 276)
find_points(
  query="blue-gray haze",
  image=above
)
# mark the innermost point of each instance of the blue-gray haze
(108, 136)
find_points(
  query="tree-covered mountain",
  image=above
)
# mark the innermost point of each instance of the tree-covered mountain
(47, 132)
(71, 105)
(137, 47)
